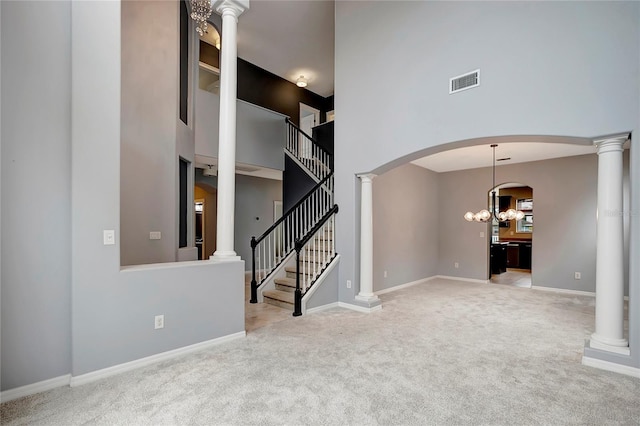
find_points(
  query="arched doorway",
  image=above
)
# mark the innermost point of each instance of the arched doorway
(511, 242)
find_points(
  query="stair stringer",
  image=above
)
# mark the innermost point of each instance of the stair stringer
(322, 279)
(278, 272)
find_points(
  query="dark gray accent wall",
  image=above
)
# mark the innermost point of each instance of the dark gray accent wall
(36, 193)
(405, 228)
(296, 183)
(262, 88)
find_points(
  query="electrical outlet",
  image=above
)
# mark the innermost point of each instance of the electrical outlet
(348, 283)
(155, 235)
(385, 274)
(159, 322)
(109, 237)
(481, 234)
(456, 265)
(577, 275)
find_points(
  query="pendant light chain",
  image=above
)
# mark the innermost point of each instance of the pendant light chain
(486, 215)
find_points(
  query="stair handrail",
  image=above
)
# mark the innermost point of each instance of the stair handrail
(295, 126)
(312, 157)
(299, 245)
(290, 210)
(327, 184)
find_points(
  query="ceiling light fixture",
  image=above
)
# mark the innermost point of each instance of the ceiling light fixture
(301, 81)
(200, 12)
(485, 215)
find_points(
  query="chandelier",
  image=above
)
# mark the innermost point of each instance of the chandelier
(200, 12)
(485, 215)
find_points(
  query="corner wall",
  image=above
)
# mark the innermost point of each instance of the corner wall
(405, 226)
(113, 309)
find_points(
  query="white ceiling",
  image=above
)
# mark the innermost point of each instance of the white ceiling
(290, 38)
(481, 155)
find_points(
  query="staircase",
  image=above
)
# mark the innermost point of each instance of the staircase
(291, 256)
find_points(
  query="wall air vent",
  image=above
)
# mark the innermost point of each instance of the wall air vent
(464, 82)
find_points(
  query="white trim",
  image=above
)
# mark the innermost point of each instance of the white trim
(143, 362)
(360, 308)
(405, 285)
(34, 388)
(469, 280)
(322, 308)
(565, 291)
(611, 366)
(318, 282)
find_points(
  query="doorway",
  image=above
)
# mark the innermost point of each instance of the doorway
(511, 243)
(309, 118)
(205, 211)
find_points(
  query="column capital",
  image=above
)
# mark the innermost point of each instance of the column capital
(366, 177)
(235, 7)
(611, 143)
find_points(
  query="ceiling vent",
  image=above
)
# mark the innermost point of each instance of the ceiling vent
(464, 82)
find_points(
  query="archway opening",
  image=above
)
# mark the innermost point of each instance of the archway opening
(511, 243)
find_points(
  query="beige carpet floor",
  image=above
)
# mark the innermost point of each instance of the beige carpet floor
(444, 352)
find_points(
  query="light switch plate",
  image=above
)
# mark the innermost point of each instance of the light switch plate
(109, 237)
(155, 235)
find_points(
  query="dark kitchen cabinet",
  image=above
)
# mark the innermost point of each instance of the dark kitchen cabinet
(525, 256)
(498, 261)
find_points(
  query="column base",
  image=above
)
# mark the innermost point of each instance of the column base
(367, 298)
(618, 346)
(225, 256)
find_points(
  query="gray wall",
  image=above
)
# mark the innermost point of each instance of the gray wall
(36, 193)
(513, 44)
(148, 166)
(405, 226)
(260, 133)
(113, 310)
(254, 199)
(59, 282)
(564, 236)
(327, 292)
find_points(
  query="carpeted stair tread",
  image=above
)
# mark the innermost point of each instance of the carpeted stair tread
(307, 271)
(281, 296)
(287, 282)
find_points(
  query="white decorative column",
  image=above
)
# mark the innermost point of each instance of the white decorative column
(609, 333)
(230, 11)
(366, 239)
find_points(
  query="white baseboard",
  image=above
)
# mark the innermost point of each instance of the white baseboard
(143, 362)
(360, 308)
(564, 291)
(322, 308)
(469, 280)
(34, 388)
(405, 285)
(611, 366)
